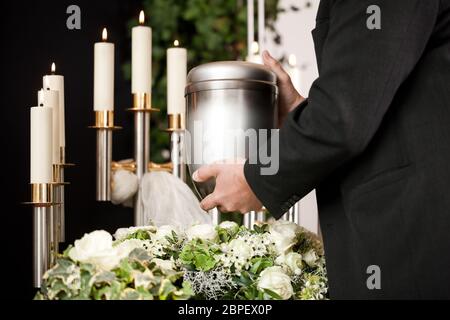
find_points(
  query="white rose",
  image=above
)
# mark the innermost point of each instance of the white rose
(310, 258)
(164, 231)
(124, 248)
(276, 280)
(164, 265)
(125, 232)
(286, 226)
(292, 260)
(202, 231)
(240, 249)
(229, 225)
(106, 260)
(96, 248)
(91, 244)
(283, 236)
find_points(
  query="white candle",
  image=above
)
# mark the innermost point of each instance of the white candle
(104, 74)
(50, 99)
(250, 26)
(254, 56)
(41, 145)
(261, 24)
(294, 72)
(141, 57)
(56, 83)
(176, 79)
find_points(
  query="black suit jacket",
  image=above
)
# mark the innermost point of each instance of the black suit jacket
(374, 139)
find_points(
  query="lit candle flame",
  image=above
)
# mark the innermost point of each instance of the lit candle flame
(292, 60)
(53, 69)
(104, 34)
(255, 47)
(141, 17)
(176, 43)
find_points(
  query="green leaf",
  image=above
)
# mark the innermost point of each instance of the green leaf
(273, 294)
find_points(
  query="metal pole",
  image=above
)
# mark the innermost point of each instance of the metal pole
(104, 158)
(261, 216)
(297, 213)
(142, 157)
(215, 216)
(250, 219)
(40, 244)
(177, 154)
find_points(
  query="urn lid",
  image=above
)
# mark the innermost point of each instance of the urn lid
(231, 75)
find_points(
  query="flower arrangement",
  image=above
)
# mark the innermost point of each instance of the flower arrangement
(279, 260)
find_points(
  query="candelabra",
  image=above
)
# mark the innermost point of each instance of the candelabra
(141, 164)
(47, 200)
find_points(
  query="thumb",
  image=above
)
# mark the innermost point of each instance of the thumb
(275, 66)
(209, 202)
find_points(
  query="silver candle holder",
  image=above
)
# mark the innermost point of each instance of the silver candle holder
(104, 125)
(43, 229)
(176, 129)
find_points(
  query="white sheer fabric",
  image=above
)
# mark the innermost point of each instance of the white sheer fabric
(169, 201)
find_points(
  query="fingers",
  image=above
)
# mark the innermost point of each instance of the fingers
(209, 202)
(275, 66)
(205, 173)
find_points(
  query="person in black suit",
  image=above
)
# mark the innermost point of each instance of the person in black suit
(374, 138)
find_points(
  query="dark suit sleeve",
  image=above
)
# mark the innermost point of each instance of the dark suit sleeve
(361, 71)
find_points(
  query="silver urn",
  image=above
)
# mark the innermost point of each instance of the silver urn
(226, 101)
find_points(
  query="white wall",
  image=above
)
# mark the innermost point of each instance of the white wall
(295, 29)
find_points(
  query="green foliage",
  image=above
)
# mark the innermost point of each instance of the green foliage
(136, 278)
(199, 255)
(211, 30)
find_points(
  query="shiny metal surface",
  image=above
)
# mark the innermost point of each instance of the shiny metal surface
(250, 220)
(215, 216)
(177, 154)
(224, 97)
(40, 244)
(230, 70)
(261, 216)
(61, 210)
(142, 158)
(104, 159)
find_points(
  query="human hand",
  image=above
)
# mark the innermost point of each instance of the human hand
(288, 97)
(232, 192)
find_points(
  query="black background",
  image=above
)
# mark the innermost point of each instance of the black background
(34, 34)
